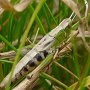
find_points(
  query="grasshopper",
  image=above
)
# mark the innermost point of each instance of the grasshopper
(36, 55)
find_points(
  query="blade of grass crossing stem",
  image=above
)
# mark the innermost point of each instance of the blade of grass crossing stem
(8, 43)
(24, 39)
(47, 60)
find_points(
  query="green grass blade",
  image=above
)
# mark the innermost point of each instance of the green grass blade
(8, 43)
(55, 80)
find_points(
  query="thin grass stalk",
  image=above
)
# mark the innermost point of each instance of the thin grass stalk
(59, 65)
(50, 13)
(8, 43)
(38, 21)
(55, 80)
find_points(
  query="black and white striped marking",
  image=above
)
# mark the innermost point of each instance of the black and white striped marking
(31, 65)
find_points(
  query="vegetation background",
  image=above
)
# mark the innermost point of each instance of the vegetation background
(24, 22)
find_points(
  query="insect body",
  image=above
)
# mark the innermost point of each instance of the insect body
(31, 64)
(36, 55)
